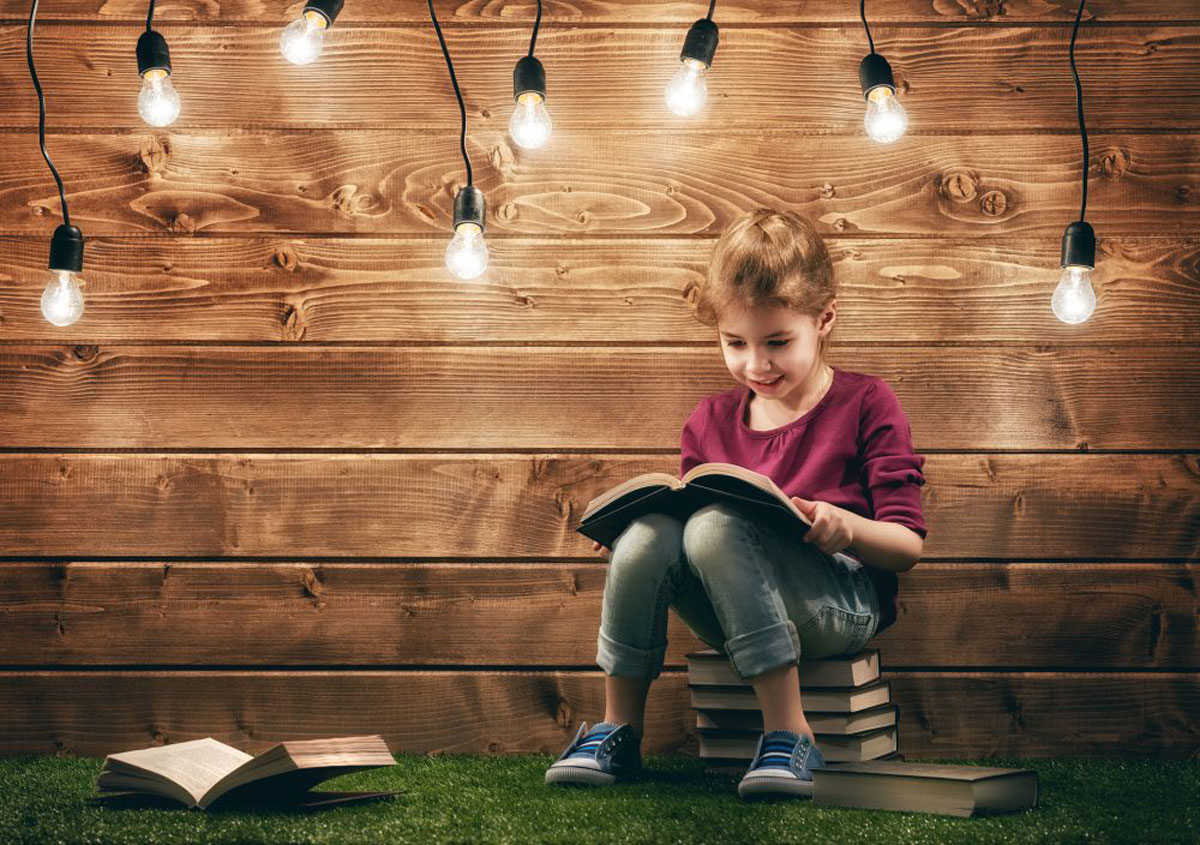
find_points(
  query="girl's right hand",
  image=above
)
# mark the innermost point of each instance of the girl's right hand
(596, 547)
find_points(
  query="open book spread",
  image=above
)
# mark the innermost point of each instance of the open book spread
(199, 772)
(607, 515)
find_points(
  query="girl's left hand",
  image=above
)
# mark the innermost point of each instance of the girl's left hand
(831, 530)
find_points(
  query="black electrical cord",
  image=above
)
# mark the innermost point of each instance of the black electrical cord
(862, 13)
(62, 197)
(1079, 109)
(536, 24)
(462, 108)
(150, 15)
(711, 5)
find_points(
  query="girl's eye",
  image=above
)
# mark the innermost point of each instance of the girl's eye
(780, 342)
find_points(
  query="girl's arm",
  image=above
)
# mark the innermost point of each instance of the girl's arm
(887, 545)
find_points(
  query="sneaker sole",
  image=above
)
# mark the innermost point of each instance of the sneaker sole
(768, 786)
(579, 775)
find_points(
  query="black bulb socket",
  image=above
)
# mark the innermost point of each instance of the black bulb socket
(1079, 245)
(874, 71)
(469, 207)
(328, 9)
(66, 249)
(701, 42)
(152, 53)
(529, 77)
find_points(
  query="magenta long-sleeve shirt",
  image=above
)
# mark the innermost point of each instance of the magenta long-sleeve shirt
(853, 449)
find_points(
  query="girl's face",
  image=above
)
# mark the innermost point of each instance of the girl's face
(773, 351)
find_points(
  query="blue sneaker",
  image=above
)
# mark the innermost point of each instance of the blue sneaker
(782, 765)
(599, 757)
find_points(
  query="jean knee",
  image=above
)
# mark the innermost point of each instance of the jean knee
(708, 534)
(651, 542)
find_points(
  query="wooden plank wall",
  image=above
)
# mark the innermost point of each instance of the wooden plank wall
(288, 478)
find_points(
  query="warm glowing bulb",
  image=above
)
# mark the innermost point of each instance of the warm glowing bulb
(1074, 300)
(158, 103)
(687, 90)
(530, 124)
(466, 254)
(62, 301)
(302, 40)
(886, 119)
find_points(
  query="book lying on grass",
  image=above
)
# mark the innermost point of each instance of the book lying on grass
(925, 787)
(740, 745)
(607, 515)
(819, 700)
(713, 667)
(199, 772)
(883, 716)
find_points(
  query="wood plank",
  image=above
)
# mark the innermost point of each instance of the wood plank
(953, 79)
(447, 397)
(457, 13)
(959, 714)
(1054, 616)
(627, 183)
(521, 507)
(583, 290)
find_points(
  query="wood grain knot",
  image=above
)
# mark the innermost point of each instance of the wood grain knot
(993, 203)
(981, 10)
(1183, 193)
(348, 201)
(501, 157)
(507, 212)
(959, 186)
(153, 154)
(1114, 163)
(85, 352)
(286, 259)
(182, 223)
(827, 191)
(295, 324)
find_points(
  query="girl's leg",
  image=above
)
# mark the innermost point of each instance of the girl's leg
(771, 593)
(645, 570)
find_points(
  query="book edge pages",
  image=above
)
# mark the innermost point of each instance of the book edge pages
(647, 480)
(762, 482)
(955, 799)
(129, 761)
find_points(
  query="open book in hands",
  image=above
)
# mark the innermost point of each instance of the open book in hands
(607, 515)
(199, 772)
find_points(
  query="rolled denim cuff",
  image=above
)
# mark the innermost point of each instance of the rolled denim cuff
(626, 661)
(765, 649)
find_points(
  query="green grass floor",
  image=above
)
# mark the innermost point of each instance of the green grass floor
(503, 799)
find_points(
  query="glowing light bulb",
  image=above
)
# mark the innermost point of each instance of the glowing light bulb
(158, 103)
(62, 300)
(530, 124)
(467, 253)
(1074, 300)
(886, 119)
(687, 90)
(301, 42)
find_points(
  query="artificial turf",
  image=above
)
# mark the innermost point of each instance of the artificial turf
(503, 799)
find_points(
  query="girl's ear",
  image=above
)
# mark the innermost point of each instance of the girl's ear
(828, 318)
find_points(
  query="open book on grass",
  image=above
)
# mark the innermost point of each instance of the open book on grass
(607, 515)
(199, 772)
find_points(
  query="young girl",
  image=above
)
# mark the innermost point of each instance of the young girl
(834, 440)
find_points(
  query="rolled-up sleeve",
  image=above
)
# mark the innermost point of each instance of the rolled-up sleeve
(891, 468)
(691, 440)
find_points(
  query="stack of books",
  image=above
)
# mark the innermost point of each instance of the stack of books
(845, 701)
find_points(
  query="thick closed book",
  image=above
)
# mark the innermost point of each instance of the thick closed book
(607, 515)
(199, 772)
(841, 724)
(740, 745)
(820, 700)
(713, 667)
(925, 787)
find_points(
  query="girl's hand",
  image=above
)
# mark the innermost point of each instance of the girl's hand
(596, 547)
(831, 530)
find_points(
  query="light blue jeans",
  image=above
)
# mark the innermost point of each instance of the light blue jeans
(742, 587)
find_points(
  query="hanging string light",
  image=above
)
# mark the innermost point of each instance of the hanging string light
(1074, 300)
(530, 124)
(158, 103)
(885, 120)
(687, 90)
(304, 37)
(62, 301)
(466, 254)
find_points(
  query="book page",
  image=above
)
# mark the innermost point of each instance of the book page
(194, 765)
(647, 479)
(749, 476)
